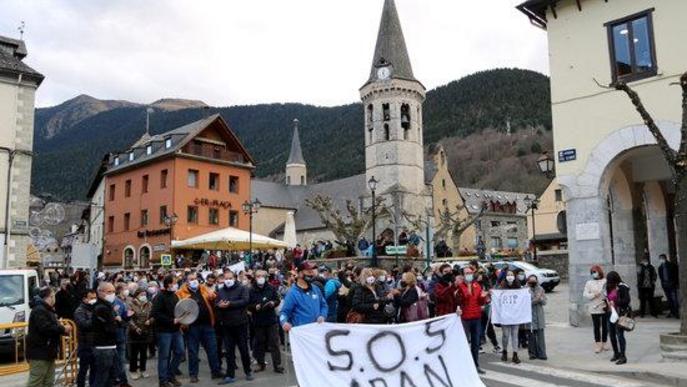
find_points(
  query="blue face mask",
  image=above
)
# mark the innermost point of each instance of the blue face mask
(193, 284)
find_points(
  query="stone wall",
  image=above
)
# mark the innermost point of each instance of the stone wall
(555, 260)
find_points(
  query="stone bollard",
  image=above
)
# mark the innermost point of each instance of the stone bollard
(673, 347)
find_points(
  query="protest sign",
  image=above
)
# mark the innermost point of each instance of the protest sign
(429, 353)
(238, 267)
(511, 306)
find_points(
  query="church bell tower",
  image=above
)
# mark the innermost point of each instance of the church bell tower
(392, 99)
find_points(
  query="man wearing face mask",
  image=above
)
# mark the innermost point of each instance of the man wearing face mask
(264, 298)
(105, 323)
(304, 303)
(42, 342)
(232, 301)
(646, 283)
(202, 330)
(170, 343)
(83, 317)
(123, 311)
(445, 291)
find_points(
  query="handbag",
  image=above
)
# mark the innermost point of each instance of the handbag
(418, 310)
(626, 323)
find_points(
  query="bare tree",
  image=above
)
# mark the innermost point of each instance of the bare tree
(348, 226)
(677, 161)
(453, 223)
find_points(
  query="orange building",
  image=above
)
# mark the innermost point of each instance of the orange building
(186, 182)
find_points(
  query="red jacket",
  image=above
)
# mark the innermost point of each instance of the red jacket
(471, 304)
(446, 298)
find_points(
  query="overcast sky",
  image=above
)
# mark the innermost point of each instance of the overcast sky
(231, 52)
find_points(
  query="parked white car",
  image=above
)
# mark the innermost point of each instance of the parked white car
(548, 279)
(16, 289)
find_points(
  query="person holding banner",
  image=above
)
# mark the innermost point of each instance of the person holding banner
(509, 333)
(304, 303)
(471, 299)
(537, 343)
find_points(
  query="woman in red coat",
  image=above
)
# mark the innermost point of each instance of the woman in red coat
(471, 299)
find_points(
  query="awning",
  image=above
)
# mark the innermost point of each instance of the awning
(228, 239)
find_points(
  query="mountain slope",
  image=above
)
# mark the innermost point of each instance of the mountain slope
(331, 137)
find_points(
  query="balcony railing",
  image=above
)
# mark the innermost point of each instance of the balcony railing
(213, 152)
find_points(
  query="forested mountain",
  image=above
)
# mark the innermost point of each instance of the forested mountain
(332, 137)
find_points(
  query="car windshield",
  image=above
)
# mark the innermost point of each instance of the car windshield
(526, 266)
(11, 290)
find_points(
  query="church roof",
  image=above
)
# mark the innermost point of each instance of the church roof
(296, 155)
(12, 53)
(391, 46)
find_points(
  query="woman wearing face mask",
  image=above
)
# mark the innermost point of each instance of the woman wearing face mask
(509, 333)
(139, 335)
(597, 306)
(537, 343)
(368, 299)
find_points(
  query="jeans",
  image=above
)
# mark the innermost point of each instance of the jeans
(138, 356)
(170, 349)
(106, 366)
(86, 366)
(673, 303)
(617, 338)
(600, 322)
(121, 363)
(41, 373)
(509, 333)
(205, 335)
(473, 328)
(267, 337)
(537, 344)
(236, 336)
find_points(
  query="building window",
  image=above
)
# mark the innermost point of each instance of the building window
(288, 180)
(444, 202)
(234, 184)
(302, 180)
(370, 113)
(116, 161)
(163, 179)
(112, 192)
(149, 150)
(144, 218)
(559, 195)
(372, 134)
(131, 156)
(405, 120)
(233, 218)
(192, 215)
(168, 143)
(144, 184)
(127, 189)
(213, 216)
(631, 43)
(192, 178)
(512, 243)
(495, 223)
(214, 181)
(496, 242)
(387, 132)
(110, 224)
(443, 183)
(127, 221)
(163, 214)
(386, 111)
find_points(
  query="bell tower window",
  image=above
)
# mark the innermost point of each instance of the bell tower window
(370, 113)
(387, 134)
(372, 134)
(386, 111)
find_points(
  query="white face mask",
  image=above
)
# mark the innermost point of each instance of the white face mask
(510, 278)
(125, 293)
(469, 277)
(110, 298)
(595, 275)
(143, 298)
(174, 287)
(370, 280)
(260, 281)
(92, 302)
(229, 283)
(382, 278)
(152, 290)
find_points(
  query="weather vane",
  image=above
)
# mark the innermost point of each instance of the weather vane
(21, 28)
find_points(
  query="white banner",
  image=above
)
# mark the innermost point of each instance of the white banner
(238, 267)
(429, 353)
(511, 306)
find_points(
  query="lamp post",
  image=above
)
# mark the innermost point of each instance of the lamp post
(372, 184)
(533, 204)
(250, 208)
(546, 165)
(170, 221)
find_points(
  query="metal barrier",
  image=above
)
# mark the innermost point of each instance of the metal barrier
(66, 364)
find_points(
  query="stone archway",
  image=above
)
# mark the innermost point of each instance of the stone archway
(129, 257)
(144, 254)
(602, 202)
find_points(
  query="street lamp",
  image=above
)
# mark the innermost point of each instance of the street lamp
(546, 165)
(249, 208)
(533, 204)
(372, 184)
(170, 221)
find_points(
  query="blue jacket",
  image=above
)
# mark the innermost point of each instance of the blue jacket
(303, 306)
(331, 296)
(121, 327)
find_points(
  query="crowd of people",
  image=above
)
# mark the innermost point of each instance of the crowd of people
(125, 318)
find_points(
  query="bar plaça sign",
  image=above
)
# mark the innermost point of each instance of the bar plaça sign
(212, 202)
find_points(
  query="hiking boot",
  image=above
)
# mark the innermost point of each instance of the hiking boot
(504, 356)
(621, 360)
(516, 360)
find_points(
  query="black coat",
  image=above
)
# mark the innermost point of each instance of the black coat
(235, 314)
(363, 301)
(43, 339)
(644, 272)
(66, 302)
(262, 296)
(104, 324)
(163, 311)
(83, 317)
(668, 273)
